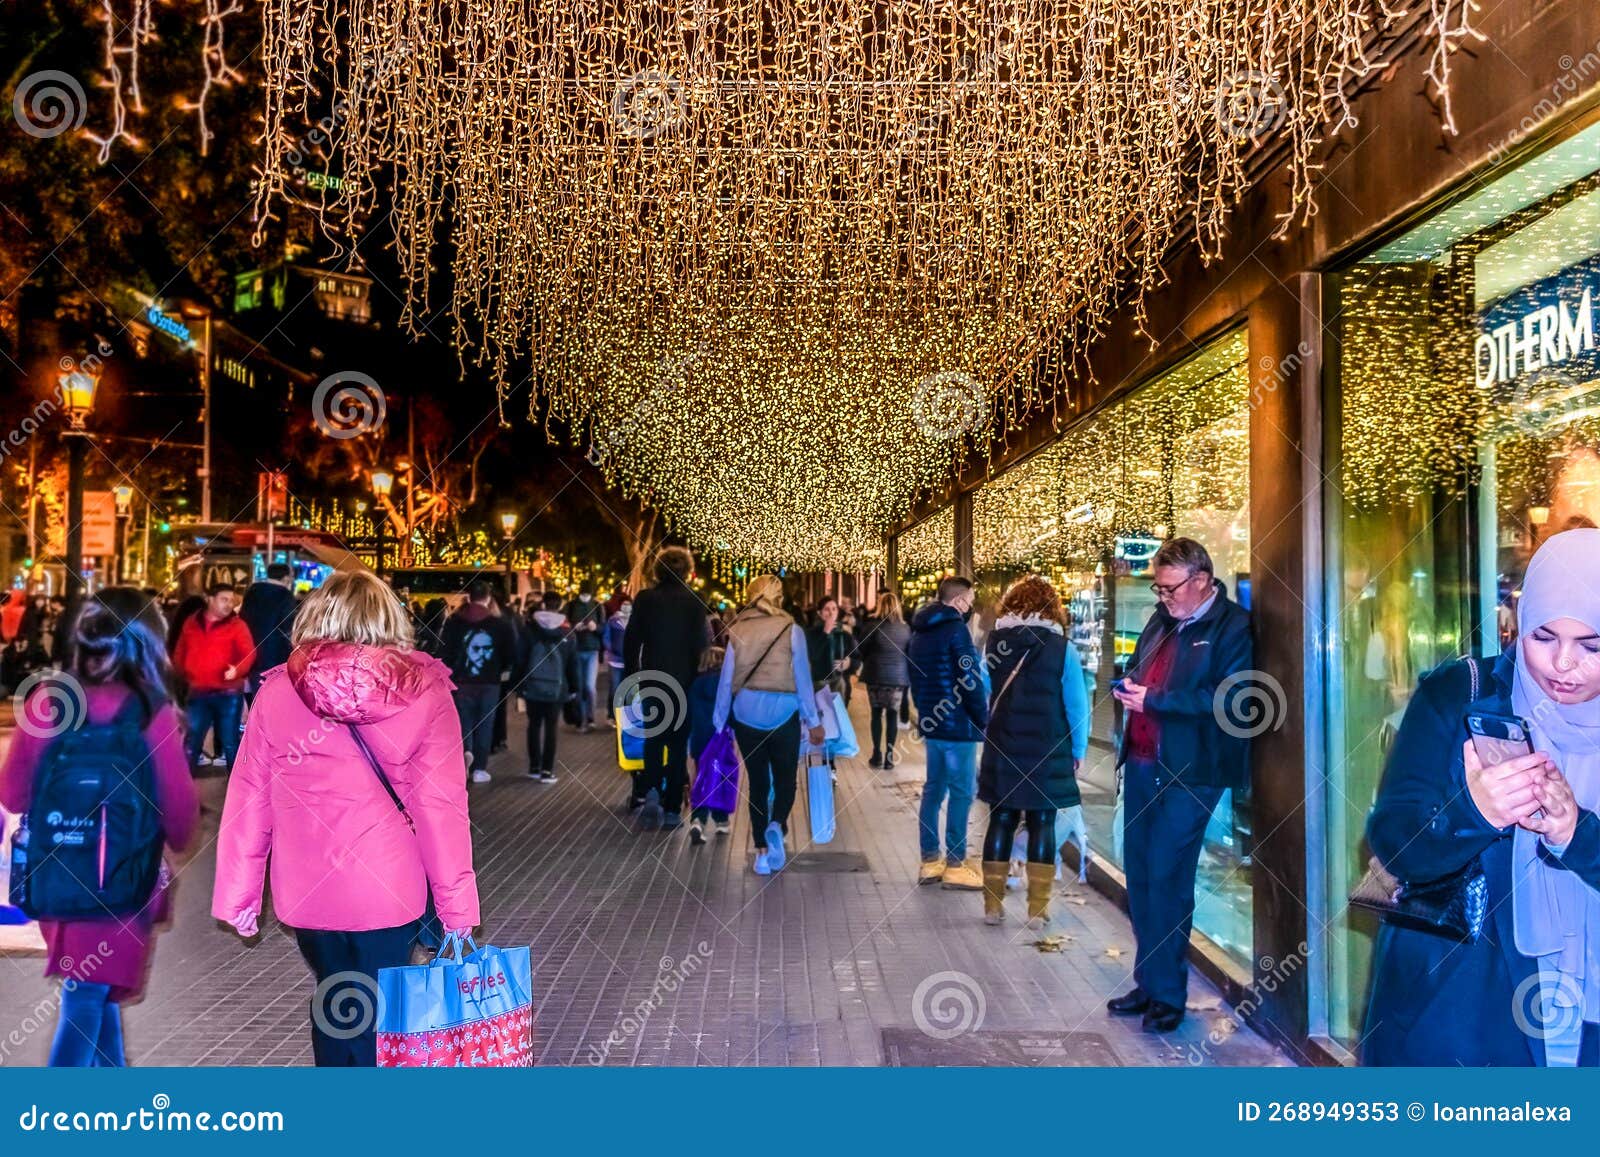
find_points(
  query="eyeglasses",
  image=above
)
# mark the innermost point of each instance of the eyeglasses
(1166, 592)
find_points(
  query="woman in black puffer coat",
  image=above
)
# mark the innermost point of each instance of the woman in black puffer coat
(1038, 734)
(886, 673)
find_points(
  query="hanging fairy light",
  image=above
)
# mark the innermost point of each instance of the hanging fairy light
(781, 266)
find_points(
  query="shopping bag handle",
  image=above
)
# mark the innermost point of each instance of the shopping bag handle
(451, 940)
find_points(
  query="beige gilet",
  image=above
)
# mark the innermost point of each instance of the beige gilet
(750, 634)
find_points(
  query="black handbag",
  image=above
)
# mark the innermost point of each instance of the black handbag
(1456, 905)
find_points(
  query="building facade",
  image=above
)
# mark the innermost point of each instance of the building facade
(1371, 423)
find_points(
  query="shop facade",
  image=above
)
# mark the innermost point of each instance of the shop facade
(1370, 423)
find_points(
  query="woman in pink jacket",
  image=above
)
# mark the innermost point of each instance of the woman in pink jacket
(351, 865)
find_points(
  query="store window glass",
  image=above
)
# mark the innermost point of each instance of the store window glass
(1089, 512)
(1463, 412)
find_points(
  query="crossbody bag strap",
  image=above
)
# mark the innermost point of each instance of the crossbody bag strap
(763, 659)
(1474, 670)
(382, 778)
(1011, 678)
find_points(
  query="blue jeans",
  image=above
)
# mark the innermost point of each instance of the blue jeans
(219, 709)
(89, 1028)
(953, 773)
(588, 669)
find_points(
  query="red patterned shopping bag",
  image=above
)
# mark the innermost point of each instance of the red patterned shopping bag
(473, 1010)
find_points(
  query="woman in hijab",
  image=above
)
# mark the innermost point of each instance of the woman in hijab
(1528, 991)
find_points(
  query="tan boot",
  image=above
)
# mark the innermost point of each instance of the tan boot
(932, 871)
(994, 891)
(1041, 880)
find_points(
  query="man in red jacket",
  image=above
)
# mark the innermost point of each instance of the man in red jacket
(213, 657)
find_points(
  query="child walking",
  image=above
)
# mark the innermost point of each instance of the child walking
(702, 706)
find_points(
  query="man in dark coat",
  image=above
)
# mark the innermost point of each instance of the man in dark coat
(951, 690)
(1185, 743)
(268, 610)
(660, 658)
(588, 618)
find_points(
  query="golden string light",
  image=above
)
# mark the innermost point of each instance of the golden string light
(780, 266)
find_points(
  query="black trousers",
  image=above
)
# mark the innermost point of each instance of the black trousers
(344, 1011)
(885, 728)
(543, 722)
(771, 760)
(1164, 827)
(475, 703)
(1002, 834)
(666, 766)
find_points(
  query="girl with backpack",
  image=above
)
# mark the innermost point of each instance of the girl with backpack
(111, 712)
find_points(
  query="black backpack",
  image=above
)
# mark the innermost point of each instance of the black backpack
(90, 845)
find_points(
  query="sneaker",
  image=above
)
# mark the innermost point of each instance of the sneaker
(762, 867)
(723, 828)
(534, 775)
(671, 821)
(481, 776)
(777, 855)
(962, 877)
(650, 811)
(547, 777)
(931, 872)
(697, 833)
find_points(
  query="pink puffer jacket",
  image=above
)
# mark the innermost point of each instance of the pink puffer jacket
(343, 858)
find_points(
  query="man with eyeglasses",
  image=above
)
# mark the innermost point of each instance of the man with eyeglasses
(1179, 754)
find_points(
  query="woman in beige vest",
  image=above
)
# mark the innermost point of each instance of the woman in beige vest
(765, 691)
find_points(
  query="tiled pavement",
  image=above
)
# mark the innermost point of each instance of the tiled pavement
(648, 951)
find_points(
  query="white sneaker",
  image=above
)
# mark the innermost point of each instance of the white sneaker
(723, 828)
(481, 776)
(762, 867)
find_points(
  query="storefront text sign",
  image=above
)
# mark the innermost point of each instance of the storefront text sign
(1547, 324)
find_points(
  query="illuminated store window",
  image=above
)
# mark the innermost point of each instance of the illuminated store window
(1463, 411)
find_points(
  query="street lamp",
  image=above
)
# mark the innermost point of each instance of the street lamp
(508, 523)
(77, 391)
(124, 497)
(382, 483)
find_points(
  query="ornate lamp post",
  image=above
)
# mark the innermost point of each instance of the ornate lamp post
(77, 388)
(382, 483)
(508, 523)
(124, 497)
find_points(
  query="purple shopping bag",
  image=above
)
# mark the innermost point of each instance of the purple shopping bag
(716, 775)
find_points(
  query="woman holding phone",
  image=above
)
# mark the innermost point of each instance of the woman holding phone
(1528, 991)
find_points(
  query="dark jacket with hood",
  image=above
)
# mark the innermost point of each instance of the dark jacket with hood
(268, 610)
(1027, 748)
(1212, 660)
(546, 649)
(478, 645)
(579, 612)
(948, 683)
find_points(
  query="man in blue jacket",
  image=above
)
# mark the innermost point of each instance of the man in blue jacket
(951, 691)
(1184, 743)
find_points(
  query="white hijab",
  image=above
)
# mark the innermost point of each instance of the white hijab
(1556, 914)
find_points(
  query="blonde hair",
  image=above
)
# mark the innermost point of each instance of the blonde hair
(765, 594)
(889, 607)
(711, 658)
(354, 607)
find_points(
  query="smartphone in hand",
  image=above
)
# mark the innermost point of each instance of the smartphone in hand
(1498, 738)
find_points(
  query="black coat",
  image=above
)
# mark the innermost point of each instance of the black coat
(594, 611)
(1027, 749)
(882, 651)
(268, 610)
(667, 632)
(1213, 654)
(478, 645)
(545, 654)
(1435, 1001)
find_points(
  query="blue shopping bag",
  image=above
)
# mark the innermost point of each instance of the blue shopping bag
(845, 746)
(819, 797)
(472, 1011)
